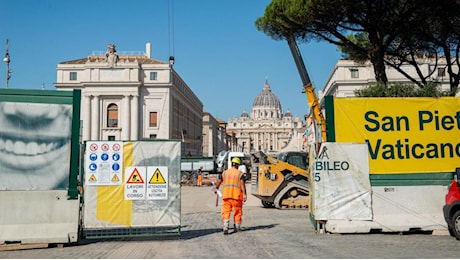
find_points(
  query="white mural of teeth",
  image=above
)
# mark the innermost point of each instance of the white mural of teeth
(19, 147)
(32, 148)
(9, 146)
(49, 147)
(41, 148)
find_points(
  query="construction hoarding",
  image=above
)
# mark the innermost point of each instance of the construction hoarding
(413, 146)
(131, 188)
(340, 182)
(39, 148)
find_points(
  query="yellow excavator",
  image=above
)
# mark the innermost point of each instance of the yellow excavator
(279, 183)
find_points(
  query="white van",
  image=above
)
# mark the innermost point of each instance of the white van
(245, 166)
(220, 160)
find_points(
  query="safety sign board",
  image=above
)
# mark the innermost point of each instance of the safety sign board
(103, 163)
(134, 182)
(157, 185)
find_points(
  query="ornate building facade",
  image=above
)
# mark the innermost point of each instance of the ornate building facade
(267, 129)
(131, 96)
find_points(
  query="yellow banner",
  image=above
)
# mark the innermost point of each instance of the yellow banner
(404, 135)
(111, 207)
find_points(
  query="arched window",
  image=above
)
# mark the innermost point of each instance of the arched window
(112, 115)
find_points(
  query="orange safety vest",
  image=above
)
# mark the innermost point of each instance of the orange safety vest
(231, 184)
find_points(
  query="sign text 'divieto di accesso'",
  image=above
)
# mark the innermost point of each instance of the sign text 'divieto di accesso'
(404, 135)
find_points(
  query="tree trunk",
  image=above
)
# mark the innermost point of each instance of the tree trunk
(377, 60)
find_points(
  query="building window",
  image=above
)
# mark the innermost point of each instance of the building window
(441, 72)
(153, 136)
(112, 115)
(111, 138)
(354, 73)
(153, 75)
(73, 75)
(153, 119)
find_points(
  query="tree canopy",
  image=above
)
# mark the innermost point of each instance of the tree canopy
(386, 33)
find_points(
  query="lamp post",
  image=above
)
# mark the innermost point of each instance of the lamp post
(7, 60)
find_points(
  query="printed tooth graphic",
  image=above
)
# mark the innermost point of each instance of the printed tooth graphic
(32, 148)
(41, 148)
(49, 147)
(9, 146)
(19, 147)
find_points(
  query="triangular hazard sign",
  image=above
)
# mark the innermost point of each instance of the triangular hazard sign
(92, 178)
(115, 178)
(135, 177)
(157, 178)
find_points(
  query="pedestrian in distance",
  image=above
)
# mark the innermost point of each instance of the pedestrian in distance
(233, 195)
(200, 176)
(195, 178)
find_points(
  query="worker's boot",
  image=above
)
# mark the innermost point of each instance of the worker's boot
(237, 227)
(226, 224)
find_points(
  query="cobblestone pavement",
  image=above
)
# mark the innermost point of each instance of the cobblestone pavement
(267, 233)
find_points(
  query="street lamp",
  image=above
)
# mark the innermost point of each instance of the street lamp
(7, 60)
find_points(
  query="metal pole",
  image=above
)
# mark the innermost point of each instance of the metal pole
(7, 60)
(7, 73)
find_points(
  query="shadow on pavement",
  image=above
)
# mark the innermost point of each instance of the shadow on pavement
(190, 234)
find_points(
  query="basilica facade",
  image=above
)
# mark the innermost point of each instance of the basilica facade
(266, 128)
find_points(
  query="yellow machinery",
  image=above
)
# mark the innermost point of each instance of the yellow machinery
(308, 87)
(279, 184)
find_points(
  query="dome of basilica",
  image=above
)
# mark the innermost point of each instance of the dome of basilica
(267, 99)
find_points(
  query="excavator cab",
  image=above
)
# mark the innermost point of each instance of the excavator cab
(281, 184)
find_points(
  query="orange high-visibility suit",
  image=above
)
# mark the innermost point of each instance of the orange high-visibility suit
(232, 195)
(200, 178)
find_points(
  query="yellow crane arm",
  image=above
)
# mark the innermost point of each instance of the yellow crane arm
(308, 87)
(316, 109)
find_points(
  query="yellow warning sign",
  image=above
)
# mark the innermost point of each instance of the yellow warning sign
(135, 177)
(157, 178)
(115, 178)
(92, 178)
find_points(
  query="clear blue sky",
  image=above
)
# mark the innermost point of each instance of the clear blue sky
(218, 51)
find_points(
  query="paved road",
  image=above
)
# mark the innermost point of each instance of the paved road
(267, 233)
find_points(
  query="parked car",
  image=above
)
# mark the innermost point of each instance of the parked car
(451, 209)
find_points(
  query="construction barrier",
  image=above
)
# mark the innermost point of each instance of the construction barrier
(131, 189)
(413, 147)
(39, 157)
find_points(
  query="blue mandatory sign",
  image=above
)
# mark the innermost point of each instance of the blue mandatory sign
(93, 157)
(115, 167)
(116, 156)
(93, 167)
(104, 157)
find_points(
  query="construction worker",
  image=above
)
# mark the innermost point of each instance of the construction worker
(233, 195)
(200, 176)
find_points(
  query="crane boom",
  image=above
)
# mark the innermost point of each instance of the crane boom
(308, 87)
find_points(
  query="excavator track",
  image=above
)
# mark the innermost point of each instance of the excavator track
(292, 196)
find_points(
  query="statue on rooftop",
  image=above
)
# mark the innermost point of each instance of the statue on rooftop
(111, 55)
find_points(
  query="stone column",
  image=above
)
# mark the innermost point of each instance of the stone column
(125, 122)
(135, 118)
(86, 118)
(95, 114)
